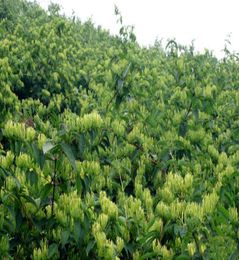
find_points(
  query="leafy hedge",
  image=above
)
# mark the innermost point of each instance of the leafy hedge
(113, 151)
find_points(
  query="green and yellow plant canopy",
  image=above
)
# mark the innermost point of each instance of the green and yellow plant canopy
(113, 151)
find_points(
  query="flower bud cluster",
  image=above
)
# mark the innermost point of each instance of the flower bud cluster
(180, 95)
(191, 249)
(233, 215)
(157, 225)
(4, 246)
(213, 152)
(133, 209)
(194, 210)
(1, 215)
(119, 244)
(19, 131)
(57, 233)
(162, 250)
(10, 183)
(88, 168)
(108, 207)
(41, 140)
(69, 208)
(209, 203)
(85, 123)
(42, 252)
(118, 127)
(7, 160)
(176, 185)
(148, 201)
(102, 220)
(24, 161)
(179, 210)
(135, 136)
(209, 90)
(196, 136)
(106, 248)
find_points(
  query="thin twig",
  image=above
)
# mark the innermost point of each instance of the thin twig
(54, 188)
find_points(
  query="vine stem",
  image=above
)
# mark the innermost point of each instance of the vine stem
(54, 188)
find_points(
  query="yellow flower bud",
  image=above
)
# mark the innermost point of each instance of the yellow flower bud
(167, 254)
(41, 140)
(163, 210)
(57, 233)
(103, 220)
(191, 249)
(202, 248)
(233, 215)
(136, 255)
(109, 251)
(4, 245)
(119, 244)
(7, 161)
(118, 127)
(194, 210)
(10, 183)
(61, 217)
(209, 203)
(24, 161)
(157, 226)
(213, 152)
(108, 207)
(208, 91)
(166, 194)
(30, 134)
(42, 252)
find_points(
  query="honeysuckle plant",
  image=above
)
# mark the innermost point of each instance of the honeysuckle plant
(113, 151)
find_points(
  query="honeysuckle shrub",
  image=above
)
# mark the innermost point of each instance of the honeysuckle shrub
(113, 151)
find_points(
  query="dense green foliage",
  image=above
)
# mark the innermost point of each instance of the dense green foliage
(113, 151)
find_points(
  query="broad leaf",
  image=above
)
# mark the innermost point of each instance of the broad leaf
(69, 154)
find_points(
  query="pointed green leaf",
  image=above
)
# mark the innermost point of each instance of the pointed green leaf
(48, 146)
(69, 154)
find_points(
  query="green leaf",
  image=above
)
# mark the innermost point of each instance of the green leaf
(29, 199)
(64, 237)
(52, 251)
(90, 246)
(38, 155)
(234, 255)
(182, 128)
(48, 146)
(45, 191)
(149, 255)
(78, 234)
(69, 154)
(182, 257)
(32, 177)
(126, 71)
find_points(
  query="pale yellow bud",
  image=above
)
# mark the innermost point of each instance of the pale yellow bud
(163, 210)
(191, 249)
(209, 203)
(202, 248)
(7, 161)
(103, 220)
(119, 244)
(233, 214)
(157, 226)
(30, 134)
(167, 254)
(41, 141)
(61, 217)
(24, 161)
(4, 245)
(136, 255)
